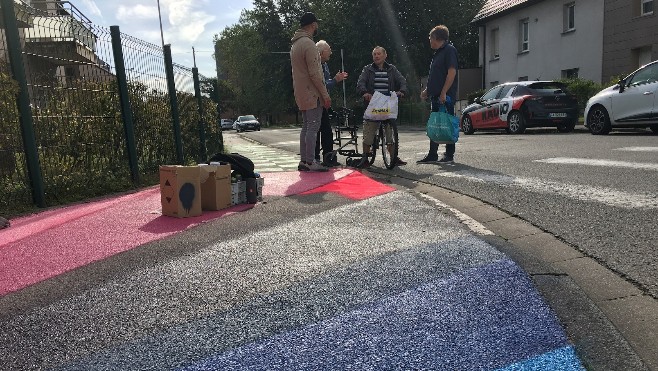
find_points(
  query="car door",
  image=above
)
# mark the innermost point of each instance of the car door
(483, 116)
(637, 101)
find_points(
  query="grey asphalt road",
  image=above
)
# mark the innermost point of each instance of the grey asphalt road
(599, 194)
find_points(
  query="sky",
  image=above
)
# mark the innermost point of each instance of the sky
(185, 24)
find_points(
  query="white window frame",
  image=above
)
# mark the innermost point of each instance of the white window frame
(495, 44)
(642, 12)
(524, 35)
(570, 16)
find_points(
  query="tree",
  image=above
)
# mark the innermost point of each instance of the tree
(261, 73)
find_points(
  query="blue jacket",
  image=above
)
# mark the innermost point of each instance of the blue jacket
(330, 82)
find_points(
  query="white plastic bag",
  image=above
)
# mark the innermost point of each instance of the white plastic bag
(382, 107)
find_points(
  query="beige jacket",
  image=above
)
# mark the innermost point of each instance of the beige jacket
(307, 77)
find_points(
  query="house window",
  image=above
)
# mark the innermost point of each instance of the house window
(646, 7)
(523, 78)
(569, 17)
(495, 52)
(571, 73)
(524, 35)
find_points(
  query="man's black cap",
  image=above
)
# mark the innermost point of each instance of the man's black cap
(307, 19)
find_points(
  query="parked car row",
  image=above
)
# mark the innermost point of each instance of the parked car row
(632, 103)
(242, 123)
(515, 106)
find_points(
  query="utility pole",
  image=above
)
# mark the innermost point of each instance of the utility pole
(160, 18)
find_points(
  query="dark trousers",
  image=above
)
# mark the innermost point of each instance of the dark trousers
(325, 136)
(434, 147)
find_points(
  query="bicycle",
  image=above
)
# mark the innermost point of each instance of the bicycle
(346, 136)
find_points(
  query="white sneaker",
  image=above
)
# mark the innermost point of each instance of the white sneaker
(316, 166)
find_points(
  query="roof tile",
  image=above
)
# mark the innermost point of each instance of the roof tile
(493, 7)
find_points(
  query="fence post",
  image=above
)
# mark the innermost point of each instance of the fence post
(173, 101)
(124, 99)
(202, 128)
(23, 102)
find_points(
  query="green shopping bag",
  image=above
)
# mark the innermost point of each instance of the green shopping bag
(443, 127)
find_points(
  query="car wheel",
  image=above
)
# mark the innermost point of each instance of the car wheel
(515, 123)
(467, 125)
(654, 128)
(598, 121)
(566, 127)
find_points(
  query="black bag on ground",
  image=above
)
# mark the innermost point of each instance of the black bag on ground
(239, 164)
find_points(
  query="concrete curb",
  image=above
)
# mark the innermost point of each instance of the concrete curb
(612, 323)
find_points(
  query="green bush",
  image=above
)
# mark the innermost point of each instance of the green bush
(583, 90)
(476, 94)
(81, 140)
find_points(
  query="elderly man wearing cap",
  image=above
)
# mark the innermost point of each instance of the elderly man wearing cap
(311, 92)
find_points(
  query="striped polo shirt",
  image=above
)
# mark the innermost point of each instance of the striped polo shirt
(381, 81)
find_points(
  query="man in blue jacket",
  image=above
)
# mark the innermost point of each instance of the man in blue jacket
(325, 135)
(441, 86)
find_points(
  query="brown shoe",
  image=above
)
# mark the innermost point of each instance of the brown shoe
(400, 162)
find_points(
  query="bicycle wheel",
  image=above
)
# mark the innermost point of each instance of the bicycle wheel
(373, 150)
(389, 143)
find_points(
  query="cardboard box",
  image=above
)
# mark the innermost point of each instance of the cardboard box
(180, 191)
(215, 187)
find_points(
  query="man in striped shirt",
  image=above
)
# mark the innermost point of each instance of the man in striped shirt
(383, 77)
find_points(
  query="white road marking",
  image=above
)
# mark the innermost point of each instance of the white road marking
(604, 163)
(580, 192)
(637, 149)
(284, 143)
(471, 223)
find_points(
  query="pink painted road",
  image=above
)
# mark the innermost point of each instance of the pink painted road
(44, 245)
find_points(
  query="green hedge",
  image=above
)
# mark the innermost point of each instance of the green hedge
(81, 141)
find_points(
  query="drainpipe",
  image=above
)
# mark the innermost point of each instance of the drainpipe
(484, 56)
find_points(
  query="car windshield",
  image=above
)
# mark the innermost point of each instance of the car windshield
(547, 88)
(247, 118)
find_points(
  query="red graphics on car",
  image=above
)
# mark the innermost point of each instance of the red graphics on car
(519, 105)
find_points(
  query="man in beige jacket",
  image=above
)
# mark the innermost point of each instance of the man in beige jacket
(310, 91)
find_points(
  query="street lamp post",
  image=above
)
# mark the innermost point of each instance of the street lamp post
(160, 18)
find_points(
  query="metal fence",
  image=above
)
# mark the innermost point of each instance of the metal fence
(86, 111)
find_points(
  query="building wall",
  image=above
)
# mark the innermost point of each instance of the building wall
(551, 50)
(627, 37)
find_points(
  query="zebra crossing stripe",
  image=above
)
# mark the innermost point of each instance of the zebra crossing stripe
(603, 163)
(637, 149)
(608, 196)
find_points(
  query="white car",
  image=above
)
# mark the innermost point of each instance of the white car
(632, 103)
(226, 124)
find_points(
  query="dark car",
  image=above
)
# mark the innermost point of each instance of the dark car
(516, 106)
(247, 122)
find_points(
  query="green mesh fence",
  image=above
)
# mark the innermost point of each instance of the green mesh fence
(75, 106)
